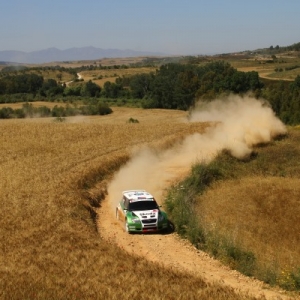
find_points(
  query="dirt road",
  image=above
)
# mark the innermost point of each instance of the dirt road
(171, 251)
(156, 171)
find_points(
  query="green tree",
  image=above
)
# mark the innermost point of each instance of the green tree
(51, 88)
(112, 90)
(90, 89)
(140, 85)
(72, 91)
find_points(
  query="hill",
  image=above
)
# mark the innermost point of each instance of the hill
(71, 54)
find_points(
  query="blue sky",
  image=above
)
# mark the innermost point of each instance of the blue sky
(168, 26)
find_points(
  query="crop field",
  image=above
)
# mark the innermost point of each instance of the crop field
(53, 175)
(286, 66)
(50, 248)
(260, 207)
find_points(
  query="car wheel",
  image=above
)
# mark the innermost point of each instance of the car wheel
(171, 226)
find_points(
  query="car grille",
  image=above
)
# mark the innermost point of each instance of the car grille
(149, 221)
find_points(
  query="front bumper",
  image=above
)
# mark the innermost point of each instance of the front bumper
(149, 227)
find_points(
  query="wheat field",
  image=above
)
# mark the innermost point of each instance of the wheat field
(50, 248)
(260, 208)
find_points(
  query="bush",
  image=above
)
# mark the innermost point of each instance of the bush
(59, 119)
(6, 113)
(95, 109)
(131, 120)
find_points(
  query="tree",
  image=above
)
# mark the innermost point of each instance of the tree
(112, 90)
(90, 89)
(72, 91)
(140, 85)
(51, 88)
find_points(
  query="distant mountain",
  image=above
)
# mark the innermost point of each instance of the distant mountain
(71, 54)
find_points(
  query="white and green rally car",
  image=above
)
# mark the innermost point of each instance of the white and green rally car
(140, 212)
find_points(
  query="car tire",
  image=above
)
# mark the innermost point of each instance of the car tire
(171, 226)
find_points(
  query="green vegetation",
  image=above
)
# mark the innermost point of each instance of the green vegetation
(217, 208)
(178, 86)
(132, 120)
(284, 99)
(29, 111)
(176, 83)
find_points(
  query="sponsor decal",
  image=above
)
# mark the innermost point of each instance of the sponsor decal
(147, 214)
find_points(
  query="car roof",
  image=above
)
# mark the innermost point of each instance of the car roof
(138, 195)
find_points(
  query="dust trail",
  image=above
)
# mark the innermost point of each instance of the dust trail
(241, 124)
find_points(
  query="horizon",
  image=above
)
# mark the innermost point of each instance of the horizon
(118, 49)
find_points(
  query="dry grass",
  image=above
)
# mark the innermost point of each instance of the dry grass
(103, 62)
(262, 213)
(267, 70)
(60, 76)
(260, 210)
(49, 248)
(101, 76)
(54, 74)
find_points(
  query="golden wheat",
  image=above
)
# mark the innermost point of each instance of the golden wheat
(49, 246)
(260, 211)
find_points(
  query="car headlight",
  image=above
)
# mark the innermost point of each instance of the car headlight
(135, 218)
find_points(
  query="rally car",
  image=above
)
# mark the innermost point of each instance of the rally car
(139, 212)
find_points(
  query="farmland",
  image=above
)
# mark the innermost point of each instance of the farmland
(50, 248)
(101, 76)
(60, 237)
(52, 176)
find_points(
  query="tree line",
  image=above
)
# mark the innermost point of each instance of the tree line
(171, 86)
(284, 98)
(29, 111)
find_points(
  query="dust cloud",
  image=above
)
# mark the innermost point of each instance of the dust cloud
(240, 123)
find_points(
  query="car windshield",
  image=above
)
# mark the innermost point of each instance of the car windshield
(143, 205)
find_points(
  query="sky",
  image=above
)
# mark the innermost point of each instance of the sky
(190, 27)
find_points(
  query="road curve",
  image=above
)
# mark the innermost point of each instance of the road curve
(173, 252)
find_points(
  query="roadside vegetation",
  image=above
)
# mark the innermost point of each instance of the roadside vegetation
(59, 111)
(244, 213)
